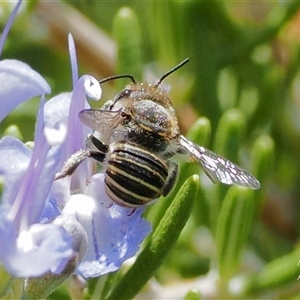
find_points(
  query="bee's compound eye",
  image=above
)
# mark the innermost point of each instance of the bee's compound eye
(107, 105)
(122, 94)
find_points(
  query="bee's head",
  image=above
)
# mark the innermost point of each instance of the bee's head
(137, 88)
(146, 107)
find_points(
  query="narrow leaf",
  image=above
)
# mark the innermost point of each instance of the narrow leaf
(193, 294)
(14, 131)
(233, 227)
(42, 286)
(262, 165)
(5, 282)
(162, 241)
(126, 32)
(277, 273)
(230, 132)
(200, 132)
(263, 157)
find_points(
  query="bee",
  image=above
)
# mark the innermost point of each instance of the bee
(139, 134)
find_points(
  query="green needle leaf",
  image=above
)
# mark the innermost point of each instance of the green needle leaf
(227, 143)
(14, 131)
(229, 134)
(162, 241)
(5, 282)
(263, 157)
(280, 271)
(126, 32)
(200, 132)
(193, 295)
(233, 227)
(42, 286)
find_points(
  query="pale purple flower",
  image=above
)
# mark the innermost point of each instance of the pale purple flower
(18, 81)
(30, 248)
(114, 232)
(44, 223)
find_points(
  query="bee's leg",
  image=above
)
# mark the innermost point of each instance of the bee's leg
(94, 148)
(72, 163)
(171, 179)
(97, 149)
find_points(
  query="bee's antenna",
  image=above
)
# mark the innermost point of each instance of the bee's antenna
(171, 71)
(117, 77)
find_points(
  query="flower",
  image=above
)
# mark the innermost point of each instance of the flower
(31, 248)
(114, 232)
(44, 223)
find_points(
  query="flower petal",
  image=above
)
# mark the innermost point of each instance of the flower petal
(76, 231)
(15, 158)
(38, 192)
(42, 248)
(9, 24)
(38, 179)
(19, 82)
(73, 59)
(75, 138)
(55, 136)
(114, 234)
(56, 110)
(50, 211)
(92, 88)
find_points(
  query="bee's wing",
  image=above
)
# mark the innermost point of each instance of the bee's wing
(219, 168)
(98, 119)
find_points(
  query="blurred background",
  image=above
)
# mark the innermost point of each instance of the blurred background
(244, 67)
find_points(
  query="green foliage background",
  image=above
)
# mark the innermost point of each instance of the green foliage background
(238, 96)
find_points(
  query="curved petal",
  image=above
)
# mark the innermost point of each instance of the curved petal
(19, 82)
(15, 158)
(9, 24)
(42, 248)
(75, 137)
(50, 211)
(76, 231)
(73, 59)
(56, 110)
(42, 178)
(37, 181)
(92, 88)
(108, 248)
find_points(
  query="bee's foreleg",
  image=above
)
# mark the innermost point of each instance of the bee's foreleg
(94, 148)
(72, 163)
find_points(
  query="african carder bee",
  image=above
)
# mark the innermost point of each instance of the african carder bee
(143, 136)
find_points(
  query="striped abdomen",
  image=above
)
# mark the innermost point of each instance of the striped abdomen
(134, 176)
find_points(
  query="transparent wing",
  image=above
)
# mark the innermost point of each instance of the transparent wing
(98, 119)
(219, 168)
